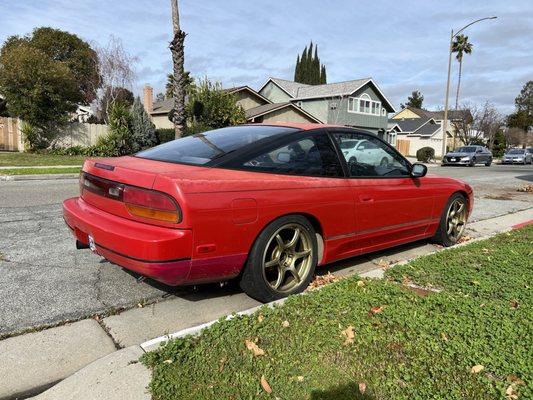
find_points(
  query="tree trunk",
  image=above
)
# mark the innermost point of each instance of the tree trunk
(178, 58)
(458, 84)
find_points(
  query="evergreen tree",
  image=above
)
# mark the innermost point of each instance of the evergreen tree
(142, 128)
(308, 68)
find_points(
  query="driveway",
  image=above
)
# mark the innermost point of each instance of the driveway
(45, 280)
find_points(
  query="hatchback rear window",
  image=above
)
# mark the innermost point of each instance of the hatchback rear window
(201, 148)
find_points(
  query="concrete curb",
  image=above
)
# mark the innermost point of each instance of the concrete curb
(39, 166)
(38, 177)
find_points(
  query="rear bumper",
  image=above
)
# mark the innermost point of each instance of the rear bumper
(163, 254)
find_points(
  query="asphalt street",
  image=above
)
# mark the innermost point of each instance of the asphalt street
(45, 280)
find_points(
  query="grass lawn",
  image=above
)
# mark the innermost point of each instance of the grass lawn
(26, 159)
(38, 171)
(375, 339)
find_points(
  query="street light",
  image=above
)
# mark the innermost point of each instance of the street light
(445, 122)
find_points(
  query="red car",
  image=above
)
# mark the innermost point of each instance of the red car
(264, 203)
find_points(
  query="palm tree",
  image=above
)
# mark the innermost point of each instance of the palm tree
(178, 56)
(461, 46)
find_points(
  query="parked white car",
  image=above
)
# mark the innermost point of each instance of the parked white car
(517, 156)
(365, 152)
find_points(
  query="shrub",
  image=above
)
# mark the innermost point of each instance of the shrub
(425, 154)
(142, 128)
(165, 135)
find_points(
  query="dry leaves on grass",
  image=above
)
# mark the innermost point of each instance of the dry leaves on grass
(464, 238)
(349, 335)
(254, 348)
(384, 264)
(321, 280)
(377, 310)
(477, 368)
(260, 318)
(264, 384)
(285, 324)
(526, 188)
(514, 304)
(362, 387)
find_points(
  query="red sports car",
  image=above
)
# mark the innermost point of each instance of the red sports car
(262, 203)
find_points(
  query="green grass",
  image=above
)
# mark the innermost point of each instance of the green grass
(28, 159)
(39, 171)
(417, 347)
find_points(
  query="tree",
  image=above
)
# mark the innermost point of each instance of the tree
(523, 117)
(178, 57)
(43, 76)
(308, 68)
(477, 124)
(461, 46)
(116, 77)
(210, 107)
(109, 97)
(3, 108)
(118, 142)
(498, 145)
(415, 100)
(169, 87)
(142, 128)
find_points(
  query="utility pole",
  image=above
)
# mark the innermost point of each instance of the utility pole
(178, 57)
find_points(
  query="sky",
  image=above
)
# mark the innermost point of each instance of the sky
(402, 45)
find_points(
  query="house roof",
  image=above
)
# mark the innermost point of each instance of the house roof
(416, 126)
(248, 89)
(163, 106)
(453, 115)
(268, 108)
(300, 91)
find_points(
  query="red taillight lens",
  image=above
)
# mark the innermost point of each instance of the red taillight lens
(150, 204)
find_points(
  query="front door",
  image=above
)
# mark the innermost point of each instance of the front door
(391, 207)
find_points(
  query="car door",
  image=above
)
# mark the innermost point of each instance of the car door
(391, 207)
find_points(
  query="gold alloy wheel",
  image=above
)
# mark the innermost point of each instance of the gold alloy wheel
(456, 219)
(287, 258)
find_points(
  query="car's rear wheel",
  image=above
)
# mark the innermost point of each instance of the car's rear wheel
(452, 221)
(282, 260)
(472, 162)
(384, 162)
(352, 160)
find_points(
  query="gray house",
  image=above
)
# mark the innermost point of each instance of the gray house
(359, 103)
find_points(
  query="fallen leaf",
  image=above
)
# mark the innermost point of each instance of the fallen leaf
(475, 283)
(362, 387)
(349, 335)
(167, 362)
(300, 378)
(376, 310)
(516, 380)
(254, 348)
(464, 238)
(260, 318)
(477, 368)
(360, 283)
(264, 384)
(444, 337)
(285, 324)
(510, 394)
(321, 280)
(383, 263)
(514, 304)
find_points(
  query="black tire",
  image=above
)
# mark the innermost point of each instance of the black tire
(384, 162)
(441, 236)
(253, 279)
(352, 160)
(472, 162)
(487, 164)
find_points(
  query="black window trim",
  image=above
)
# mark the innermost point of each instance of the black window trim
(333, 130)
(229, 161)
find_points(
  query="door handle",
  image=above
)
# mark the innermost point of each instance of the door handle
(366, 198)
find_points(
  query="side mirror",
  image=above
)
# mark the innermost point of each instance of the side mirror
(419, 170)
(479, 151)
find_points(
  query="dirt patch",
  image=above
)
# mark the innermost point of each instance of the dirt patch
(504, 196)
(526, 188)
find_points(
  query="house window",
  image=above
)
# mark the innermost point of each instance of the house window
(364, 105)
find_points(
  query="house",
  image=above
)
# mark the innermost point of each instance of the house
(82, 114)
(415, 128)
(358, 103)
(257, 108)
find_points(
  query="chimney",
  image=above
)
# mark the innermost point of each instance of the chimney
(148, 98)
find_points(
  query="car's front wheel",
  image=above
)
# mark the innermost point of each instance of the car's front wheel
(282, 260)
(453, 221)
(488, 163)
(472, 162)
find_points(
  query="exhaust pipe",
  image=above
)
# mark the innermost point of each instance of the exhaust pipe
(80, 245)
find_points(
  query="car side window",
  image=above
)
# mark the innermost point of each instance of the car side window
(371, 157)
(311, 156)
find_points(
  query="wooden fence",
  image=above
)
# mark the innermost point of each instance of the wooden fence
(402, 145)
(75, 134)
(10, 136)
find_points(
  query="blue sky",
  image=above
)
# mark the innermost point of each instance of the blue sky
(401, 44)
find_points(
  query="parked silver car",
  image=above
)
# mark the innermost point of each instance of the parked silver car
(517, 156)
(468, 155)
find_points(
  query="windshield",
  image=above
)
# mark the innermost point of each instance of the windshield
(516, 151)
(466, 149)
(201, 148)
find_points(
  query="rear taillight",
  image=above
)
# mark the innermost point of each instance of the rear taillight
(150, 204)
(139, 202)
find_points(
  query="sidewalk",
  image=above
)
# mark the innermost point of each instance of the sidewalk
(85, 352)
